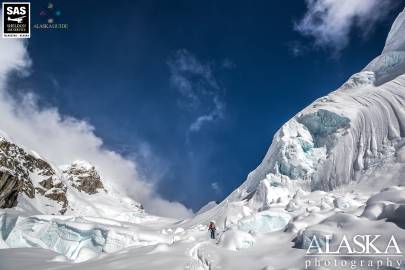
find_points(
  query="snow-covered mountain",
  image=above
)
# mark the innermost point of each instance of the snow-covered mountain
(31, 184)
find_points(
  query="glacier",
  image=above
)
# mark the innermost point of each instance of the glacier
(70, 235)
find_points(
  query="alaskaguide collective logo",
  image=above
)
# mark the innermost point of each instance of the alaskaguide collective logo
(357, 252)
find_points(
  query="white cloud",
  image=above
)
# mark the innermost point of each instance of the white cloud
(63, 139)
(228, 64)
(197, 86)
(216, 113)
(17, 60)
(330, 21)
(297, 48)
(216, 187)
(196, 125)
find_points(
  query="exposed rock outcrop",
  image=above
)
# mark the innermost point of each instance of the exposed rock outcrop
(83, 177)
(10, 186)
(17, 169)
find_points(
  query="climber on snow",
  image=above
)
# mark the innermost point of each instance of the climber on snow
(212, 228)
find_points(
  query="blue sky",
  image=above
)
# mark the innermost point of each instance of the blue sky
(194, 91)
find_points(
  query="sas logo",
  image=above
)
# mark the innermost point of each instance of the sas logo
(16, 20)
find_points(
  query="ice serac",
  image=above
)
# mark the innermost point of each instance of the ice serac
(338, 139)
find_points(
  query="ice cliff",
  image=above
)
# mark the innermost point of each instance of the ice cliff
(339, 139)
(340, 136)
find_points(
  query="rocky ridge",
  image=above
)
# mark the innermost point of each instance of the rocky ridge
(28, 175)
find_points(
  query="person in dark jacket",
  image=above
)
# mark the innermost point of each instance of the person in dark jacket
(212, 228)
